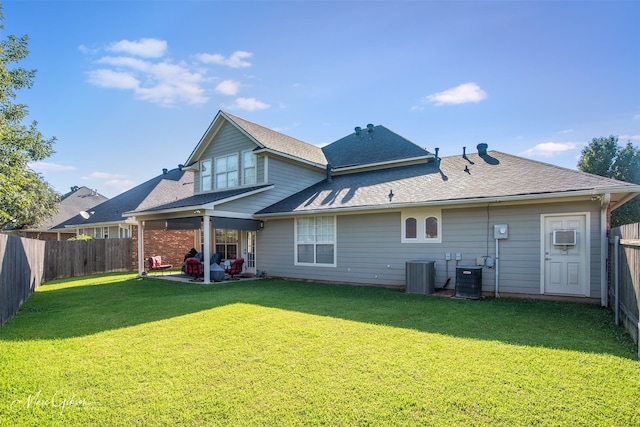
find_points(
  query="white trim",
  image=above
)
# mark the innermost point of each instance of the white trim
(335, 243)
(604, 251)
(586, 257)
(421, 216)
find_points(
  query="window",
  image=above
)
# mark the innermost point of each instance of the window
(97, 233)
(227, 171)
(124, 231)
(315, 241)
(205, 175)
(410, 228)
(421, 226)
(227, 243)
(431, 227)
(249, 168)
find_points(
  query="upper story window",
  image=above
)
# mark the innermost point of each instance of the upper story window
(205, 175)
(227, 171)
(422, 226)
(249, 168)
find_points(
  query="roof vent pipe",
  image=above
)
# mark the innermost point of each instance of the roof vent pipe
(369, 128)
(464, 152)
(329, 179)
(482, 149)
(358, 129)
(437, 158)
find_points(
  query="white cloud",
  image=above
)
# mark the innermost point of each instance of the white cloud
(550, 149)
(636, 117)
(248, 104)
(228, 87)
(139, 66)
(113, 79)
(146, 48)
(465, 93)
(625, 138)
(49, 167)
(120, 185)
(103, 175)
(236, 60)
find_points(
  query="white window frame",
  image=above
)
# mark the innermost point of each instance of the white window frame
(227, 172)
(421, 216)
(313, 239)
(205, 178)
(245, 168)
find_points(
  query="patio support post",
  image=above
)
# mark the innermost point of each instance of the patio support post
(206, 223)
(140, 248)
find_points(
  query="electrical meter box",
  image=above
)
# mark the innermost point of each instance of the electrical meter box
(500, 231)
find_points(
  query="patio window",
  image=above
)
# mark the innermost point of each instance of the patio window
(205, 175)
(227, 171)
(315, 241)
(227, 243)
(249, 166)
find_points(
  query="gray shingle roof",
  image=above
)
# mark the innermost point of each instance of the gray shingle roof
(176, 184)
(198, 200)
(491, 176)
(375, 144)
(279, 142)
(78, 199)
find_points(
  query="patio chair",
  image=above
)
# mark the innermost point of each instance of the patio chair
(154, 263)
(235, 269)
(194, 268)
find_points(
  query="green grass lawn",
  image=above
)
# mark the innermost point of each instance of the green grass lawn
(118, 350)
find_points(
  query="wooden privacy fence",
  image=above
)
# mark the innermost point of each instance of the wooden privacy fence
(27, 263)
(82, 257)
(624, 279)
(20, 272)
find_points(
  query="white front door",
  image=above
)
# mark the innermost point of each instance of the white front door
(565, 266)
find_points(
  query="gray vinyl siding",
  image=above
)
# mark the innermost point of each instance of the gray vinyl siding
(369, 248)
(228, 140)
(287, 178)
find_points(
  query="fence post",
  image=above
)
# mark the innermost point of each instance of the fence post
(616, 277)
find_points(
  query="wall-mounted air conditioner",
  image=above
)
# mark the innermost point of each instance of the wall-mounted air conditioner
(565, 237)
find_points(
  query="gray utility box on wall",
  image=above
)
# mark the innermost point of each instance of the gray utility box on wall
(469, 282)
(421, 277)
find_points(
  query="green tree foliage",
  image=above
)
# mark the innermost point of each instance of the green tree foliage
(604, 157)
(25, 198)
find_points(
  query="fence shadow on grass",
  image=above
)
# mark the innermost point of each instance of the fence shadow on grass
(121, 301)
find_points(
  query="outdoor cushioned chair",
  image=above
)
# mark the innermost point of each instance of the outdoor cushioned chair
(235, 269)
(154, 263)
(194, 268)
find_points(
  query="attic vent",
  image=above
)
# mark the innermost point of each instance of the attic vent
(369, 128)
(482, 149)
(165, 171)
(358, 130)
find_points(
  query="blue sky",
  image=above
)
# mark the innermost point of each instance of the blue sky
(129, 87)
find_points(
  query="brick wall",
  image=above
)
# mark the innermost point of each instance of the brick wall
(171, 245)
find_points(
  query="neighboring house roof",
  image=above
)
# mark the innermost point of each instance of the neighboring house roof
(373, 145)
(264, 138)
(76, 200)
(173, 185)
(491, 177)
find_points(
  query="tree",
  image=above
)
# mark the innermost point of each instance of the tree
(604, 157)
(25, 197)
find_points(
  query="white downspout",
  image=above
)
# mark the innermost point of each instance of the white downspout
(604, 248)
(140, 248)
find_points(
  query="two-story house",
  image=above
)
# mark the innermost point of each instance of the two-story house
(356, 210)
